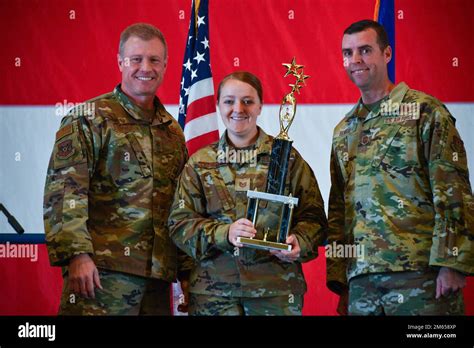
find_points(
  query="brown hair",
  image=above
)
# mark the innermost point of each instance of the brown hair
(143, 31)
(243, 76)
(357, 27)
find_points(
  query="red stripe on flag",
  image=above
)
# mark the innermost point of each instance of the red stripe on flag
(200, 141)
(200, 108)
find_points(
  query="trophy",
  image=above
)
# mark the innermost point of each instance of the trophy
(276, 177)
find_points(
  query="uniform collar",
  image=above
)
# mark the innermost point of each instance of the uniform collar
(134, 112)
(263, 143)
(396, 96)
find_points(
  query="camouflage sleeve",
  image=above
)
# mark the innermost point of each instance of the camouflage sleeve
(309, 220)
(185, 265)
(336, 280)
(190, 228)
(453, 234)
(66, 192)
(185, 262)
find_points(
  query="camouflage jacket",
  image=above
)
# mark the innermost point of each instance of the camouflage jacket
(109, 187)
(400, 190)
(212, 194)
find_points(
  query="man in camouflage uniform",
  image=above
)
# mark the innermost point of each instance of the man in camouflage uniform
(109, 188)
(400, 193)
(211, 195)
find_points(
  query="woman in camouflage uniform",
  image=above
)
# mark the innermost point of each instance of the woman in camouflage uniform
(209, 209)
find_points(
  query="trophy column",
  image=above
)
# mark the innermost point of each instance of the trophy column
(277, 172)
(276, 179)
(280, 158)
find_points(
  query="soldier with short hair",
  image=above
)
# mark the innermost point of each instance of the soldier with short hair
(208, 215)
(400, 193)
(109, 187)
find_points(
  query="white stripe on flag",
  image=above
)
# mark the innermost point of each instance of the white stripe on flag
(200, 89)
(201, 125)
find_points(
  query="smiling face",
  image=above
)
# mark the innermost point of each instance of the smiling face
(143, 65)
(239, 106)
(364, 61)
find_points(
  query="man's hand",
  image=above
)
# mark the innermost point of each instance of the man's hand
(289, 256)
(343, 304)
(448, 281)
(241, 228)
(183, 306)
(83, 276)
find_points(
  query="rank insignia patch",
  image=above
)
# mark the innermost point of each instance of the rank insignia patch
(242, 184)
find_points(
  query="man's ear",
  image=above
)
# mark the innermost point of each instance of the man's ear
(120, 62)
(387, 54)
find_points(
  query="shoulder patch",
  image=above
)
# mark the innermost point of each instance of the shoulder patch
(68, 149)
(64, 149)
(66, 130)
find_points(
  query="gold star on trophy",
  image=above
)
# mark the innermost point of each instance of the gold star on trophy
(292, 67)
(288, 104)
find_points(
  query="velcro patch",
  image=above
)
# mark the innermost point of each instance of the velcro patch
(458, 145)
(242, 184)
(402, 118)
(66, 130)
(65, 149)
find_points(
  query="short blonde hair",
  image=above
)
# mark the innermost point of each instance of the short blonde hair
(143, 31)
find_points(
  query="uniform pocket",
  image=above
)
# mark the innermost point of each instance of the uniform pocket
(218, 197)
(342, 153)
(346, 148)
(126, 161)
(171, 154)
(388, 147)
(139, 155)
(53, 204)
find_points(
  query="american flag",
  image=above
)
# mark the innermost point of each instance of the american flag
(197, 110)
